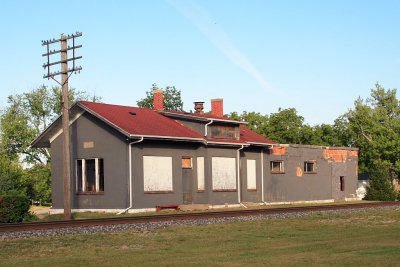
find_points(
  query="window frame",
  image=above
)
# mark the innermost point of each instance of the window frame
(187, 158)
(81, 182)
(314, 168)
(281, 164)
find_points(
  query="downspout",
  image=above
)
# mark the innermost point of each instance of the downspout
(206, 128)
(238, 176)
(262, 178)
(130, 175)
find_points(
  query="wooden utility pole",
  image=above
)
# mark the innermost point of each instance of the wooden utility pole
(65, 74)
(65, 126)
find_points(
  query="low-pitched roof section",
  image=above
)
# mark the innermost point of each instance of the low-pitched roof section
(138, 122)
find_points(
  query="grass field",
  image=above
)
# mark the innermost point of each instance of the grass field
(357, 239)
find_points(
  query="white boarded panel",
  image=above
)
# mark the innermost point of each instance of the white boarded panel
(251, 174)
(223, 173)
(200, 173)
(157, 173)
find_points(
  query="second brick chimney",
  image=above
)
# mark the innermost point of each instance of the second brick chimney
(158, 99)
(217, 107)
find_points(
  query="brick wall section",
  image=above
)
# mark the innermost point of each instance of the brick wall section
(339, 155)
(278, 151)
(158, 99)
(217, 107)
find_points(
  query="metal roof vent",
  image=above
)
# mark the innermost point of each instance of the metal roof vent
(132, 113)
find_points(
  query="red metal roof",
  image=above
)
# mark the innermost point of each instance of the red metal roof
(149, 122)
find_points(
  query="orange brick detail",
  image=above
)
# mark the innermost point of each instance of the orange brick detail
(278, 151)
(353, 153)
(339, 155)
(158, 99)
(217, 107)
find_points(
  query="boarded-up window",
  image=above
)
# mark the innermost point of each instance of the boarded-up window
(251, 174)
(223, 173)
(157, 174)
(186, 162)
(200, 173)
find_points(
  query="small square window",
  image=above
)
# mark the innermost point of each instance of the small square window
(309, 167)
(277, 167)
(186, 163)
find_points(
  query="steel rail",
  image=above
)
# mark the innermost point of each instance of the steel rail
(44, 225)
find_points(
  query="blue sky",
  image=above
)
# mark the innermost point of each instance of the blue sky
(315, 56)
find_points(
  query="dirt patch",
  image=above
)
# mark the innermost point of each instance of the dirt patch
(40, 211)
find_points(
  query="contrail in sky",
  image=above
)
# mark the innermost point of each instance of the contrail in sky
(215, 33)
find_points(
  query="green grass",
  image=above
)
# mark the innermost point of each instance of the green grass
(357, 239)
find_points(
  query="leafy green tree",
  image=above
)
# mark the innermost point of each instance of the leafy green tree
(255, 120)
(10, 175)
(172, 99)
(25, 117)
(375, 126)
(37, 181)
(285, 126)
(380, 186)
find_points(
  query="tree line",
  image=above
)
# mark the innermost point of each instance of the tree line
(372, 125)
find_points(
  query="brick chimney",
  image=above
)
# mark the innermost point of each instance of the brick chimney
(198, 107)
(217, 107)
(158, 99)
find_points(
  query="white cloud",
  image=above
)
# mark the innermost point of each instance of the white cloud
(216, 35)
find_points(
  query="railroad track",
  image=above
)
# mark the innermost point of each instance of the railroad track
(29, 226)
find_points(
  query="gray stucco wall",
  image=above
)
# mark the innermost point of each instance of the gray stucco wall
(289, 187)
(109, 145)
(324, 184)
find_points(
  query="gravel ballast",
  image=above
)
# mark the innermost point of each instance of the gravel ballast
(141, 227)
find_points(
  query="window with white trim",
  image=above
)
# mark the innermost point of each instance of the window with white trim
(277, 166)
(90, 175)
(309, 167)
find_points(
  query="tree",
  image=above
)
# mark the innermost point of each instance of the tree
(25, 117)
(28, 115)
(375, 127)
(255, 120)
(10, 175)
(285, 126)
(380, 186)
(172, 99)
